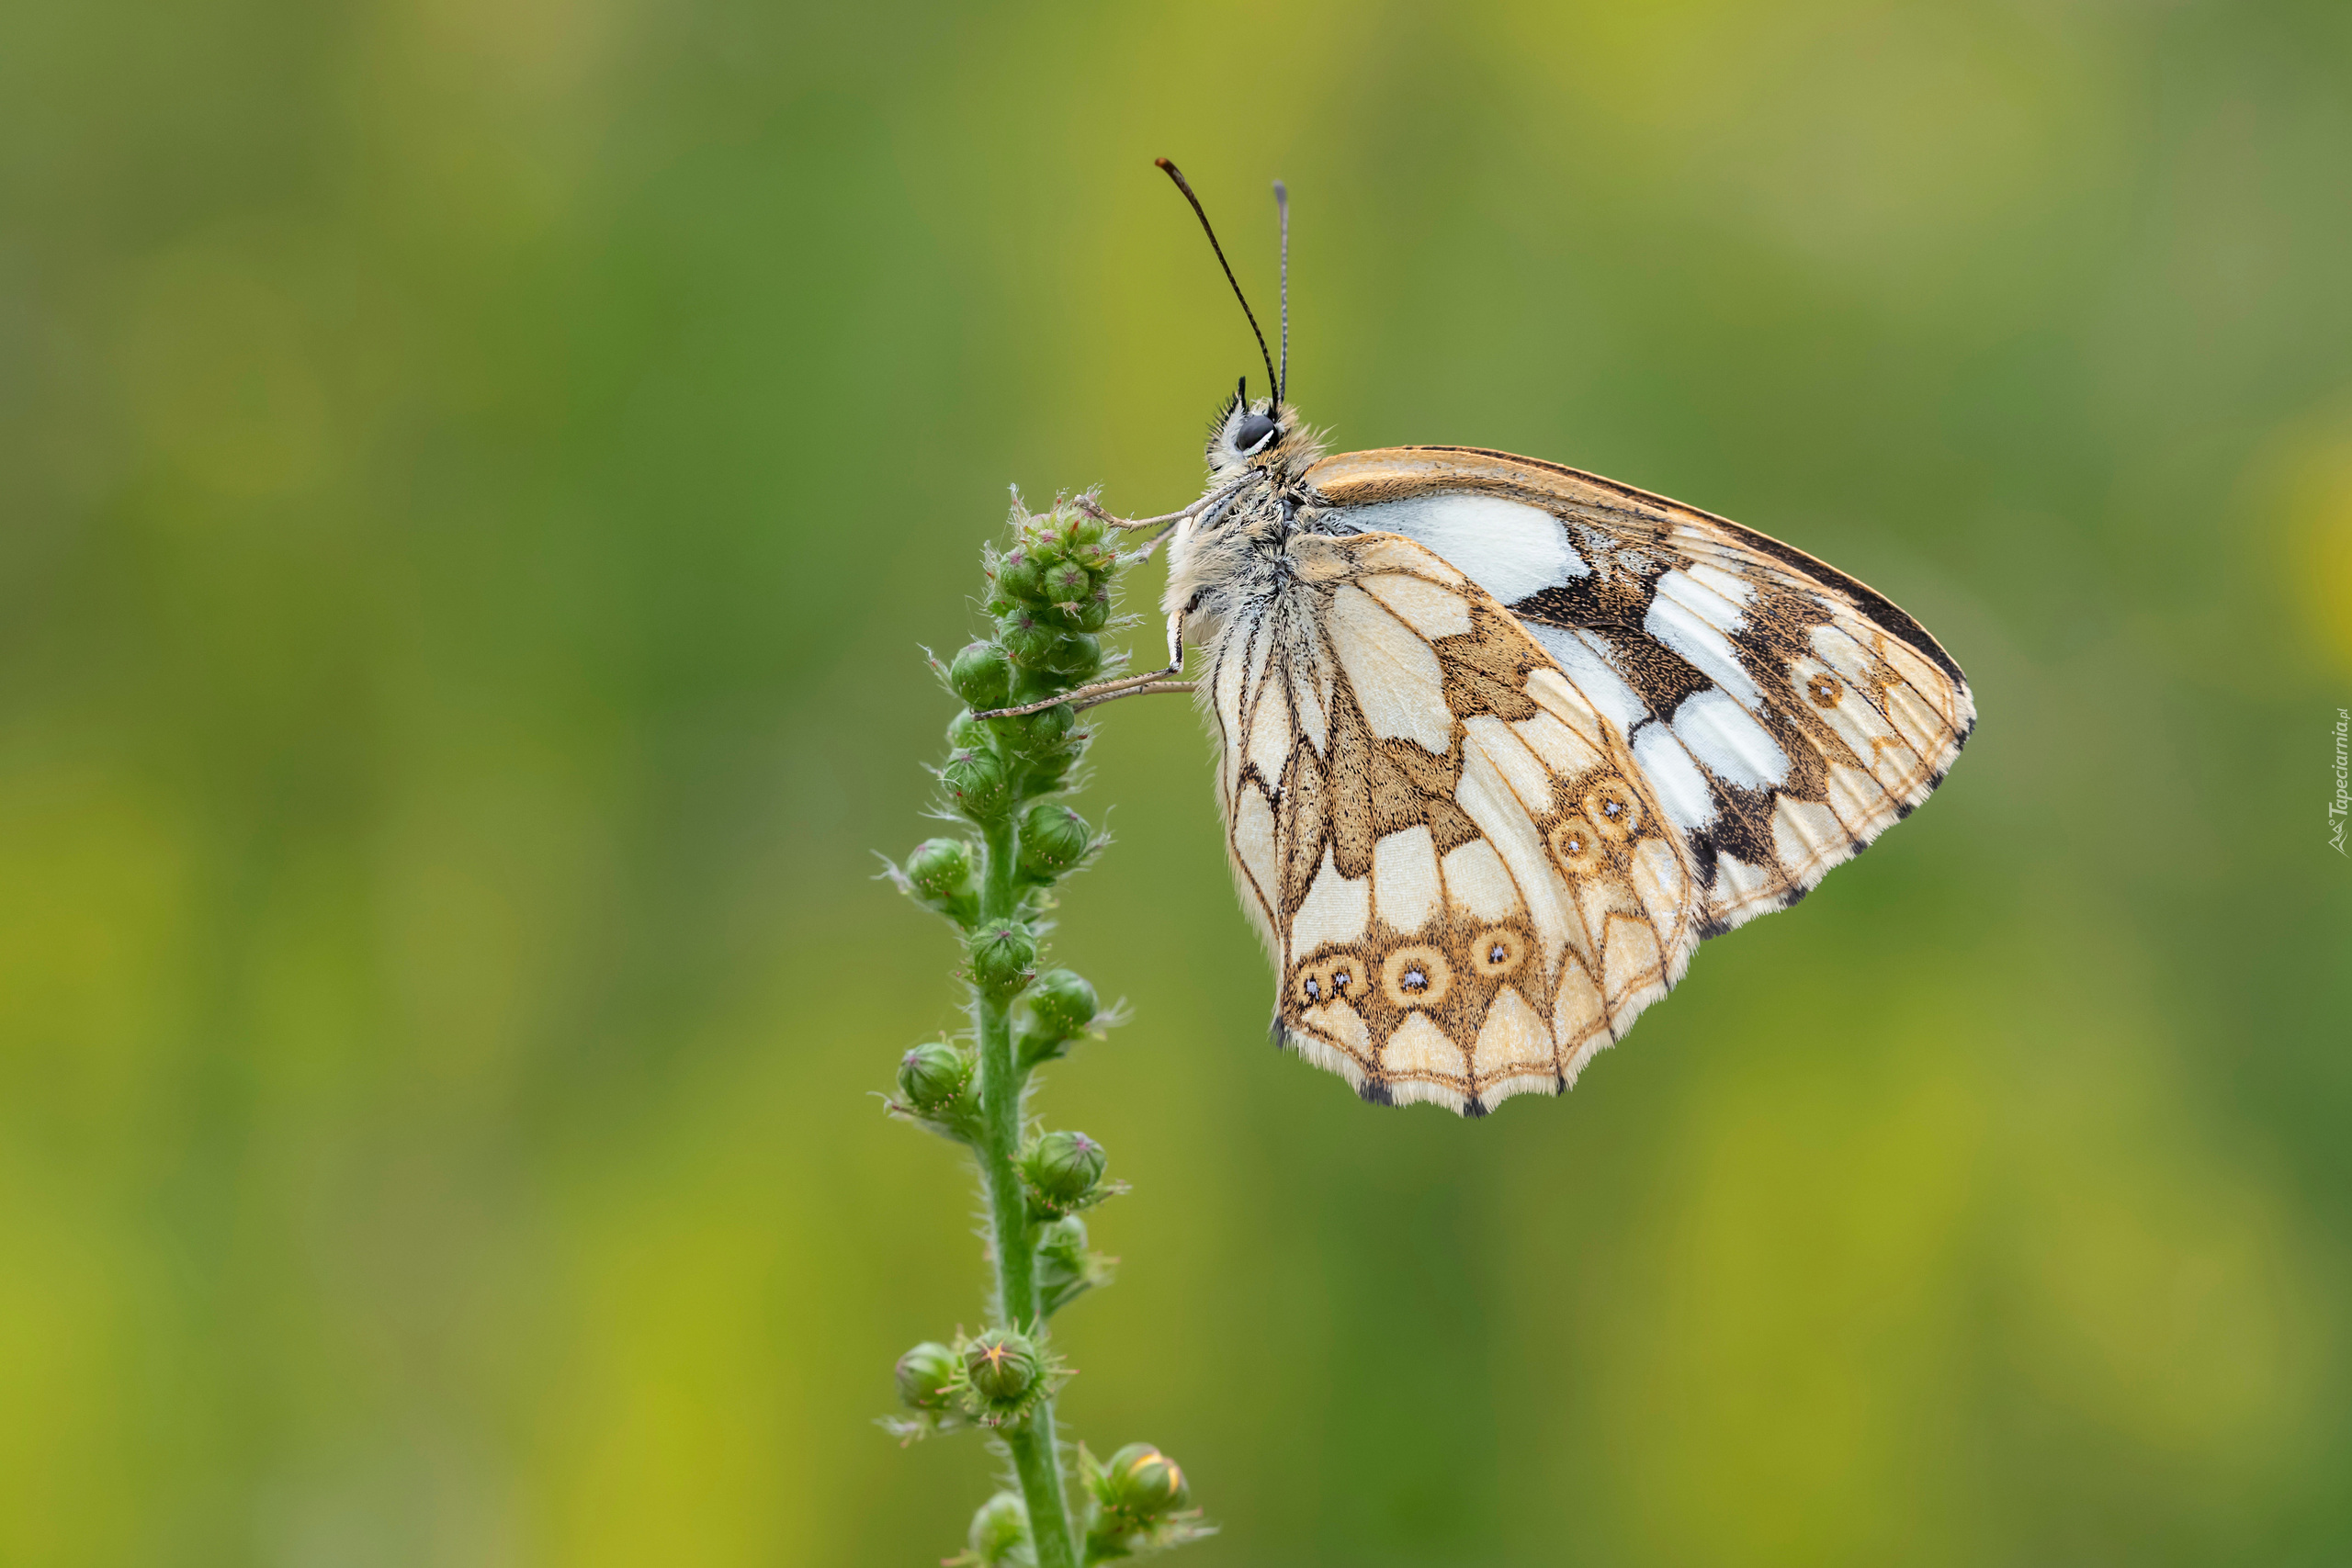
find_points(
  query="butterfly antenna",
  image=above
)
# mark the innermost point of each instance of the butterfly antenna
(1281, 205)
(1177, 175)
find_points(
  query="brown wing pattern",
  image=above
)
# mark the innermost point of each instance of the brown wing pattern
(1785, 713)
(1466, 880)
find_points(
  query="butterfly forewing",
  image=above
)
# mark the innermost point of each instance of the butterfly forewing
(1783, 713)
(1467, 879)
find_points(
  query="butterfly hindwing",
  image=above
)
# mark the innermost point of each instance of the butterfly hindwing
(1785, 713)
(1467, 881)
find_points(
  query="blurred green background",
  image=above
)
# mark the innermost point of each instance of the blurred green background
(473, 477)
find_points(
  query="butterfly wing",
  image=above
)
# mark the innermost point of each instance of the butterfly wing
(1784, 712)
(1465, 876)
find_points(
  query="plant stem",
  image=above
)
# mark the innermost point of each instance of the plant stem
(1002, 1086)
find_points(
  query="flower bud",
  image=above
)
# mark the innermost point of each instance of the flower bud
(1043, 731)
(1077, 655)
(1048, 772)
(1063, 1168)
(982, 676)
(1039, 536)
(1003, 956)
(1094, 612)
(1068, 583)
(925, 1375)
(1030, 641)
(978, 783)
(966, 733)
(1002, 1366)
(1063, 1243)
(940, 871)
(933, 1076)
(1061, 1004)
(1142, 1483)
(1053, 839)
(1000, 1533)
(1018, 575)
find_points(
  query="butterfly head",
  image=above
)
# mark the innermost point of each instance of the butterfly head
(1250, 434)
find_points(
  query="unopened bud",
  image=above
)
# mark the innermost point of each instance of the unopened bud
(1078, 654)
(982, 676)
(1045, 730)
(934, 1074)
(1002, 1366)
(1142, 1483)
(925, 1375)
(977, 782)
(1017, 574)
(1068, 583)
(966, 733)
(1063, 1168)
(1002, 954)
(1061, 1003)
(1029, 641)
(1000, 1533)
(1053, 839)
(940, 870)
(1064, 1242)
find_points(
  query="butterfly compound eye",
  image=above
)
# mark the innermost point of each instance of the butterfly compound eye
(1252, 433)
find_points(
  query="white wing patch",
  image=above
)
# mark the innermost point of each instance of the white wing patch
(1582, 663)
(1728, 741)
(1508, 547)
(1394, 670)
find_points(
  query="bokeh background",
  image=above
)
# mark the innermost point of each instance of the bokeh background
(473, 477)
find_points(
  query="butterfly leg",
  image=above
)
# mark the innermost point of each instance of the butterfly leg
(1144, 554)
(1104, 691)
(1147, 689)
(1168, 521)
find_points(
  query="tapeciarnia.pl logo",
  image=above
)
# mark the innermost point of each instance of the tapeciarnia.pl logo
(2335, 808)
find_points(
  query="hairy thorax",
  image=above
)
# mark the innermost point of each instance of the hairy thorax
(1238, 556)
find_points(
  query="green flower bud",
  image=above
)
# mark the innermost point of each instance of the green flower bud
(1093, 612)
(934, 1074)
(1046, 771)
(1062, 1244)
(1003, 955)
(1069, 584)
(1019, 573)
(1061, 1004)
(926, 1374)
(1053, 839)
(1000, 1533)
(1029, 641)
(940, 871)
(1141, 1482)
(1040, 536)
(1043, 731)
(1078, 654)
(1063, 1168)
(1002, 1366)
(978, 783)
(966, 733)
(1066, 1270)
(982, 676)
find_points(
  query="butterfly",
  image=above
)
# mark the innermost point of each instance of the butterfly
(1503, 742)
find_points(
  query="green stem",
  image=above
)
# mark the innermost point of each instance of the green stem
(1002, 1082)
